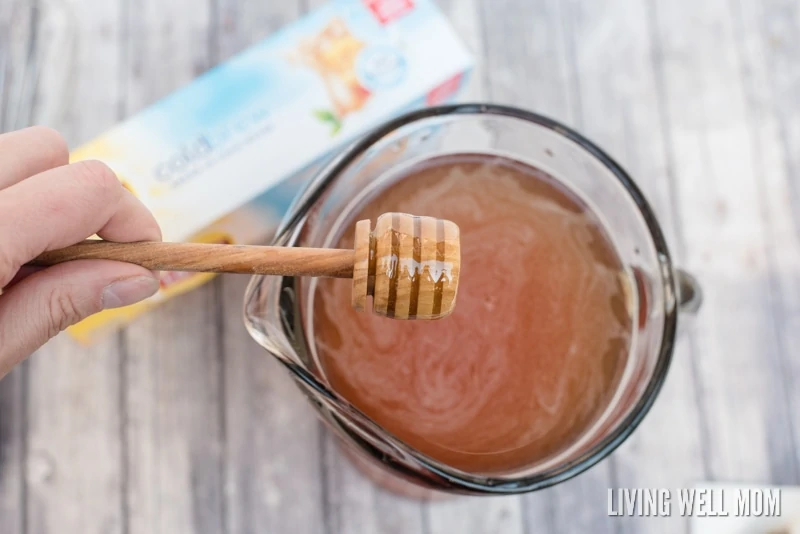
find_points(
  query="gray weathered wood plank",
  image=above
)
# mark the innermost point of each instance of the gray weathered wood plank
(173, 419)
(241, 23)
(173, 428)
(16, 63)
(273, 466)
(476, 515)
(741, 387)
(465, 16)
(19, 62)
(770, 67)
(527, 59)
(12, 451)
(620, 107)
(73, 418)
(356, 505)
(697, 100)
(273, 462)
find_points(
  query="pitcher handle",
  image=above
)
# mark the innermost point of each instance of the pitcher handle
(690, 295)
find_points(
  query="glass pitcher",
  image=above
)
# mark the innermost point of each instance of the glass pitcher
(278, 311)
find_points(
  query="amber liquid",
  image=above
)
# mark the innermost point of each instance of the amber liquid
(536, 346)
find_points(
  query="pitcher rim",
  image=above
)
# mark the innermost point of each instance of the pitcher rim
(623, 430)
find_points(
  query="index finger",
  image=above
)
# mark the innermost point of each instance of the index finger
(30, 151)
(63, 206)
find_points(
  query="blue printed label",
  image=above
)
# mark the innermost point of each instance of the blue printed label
(381, 67)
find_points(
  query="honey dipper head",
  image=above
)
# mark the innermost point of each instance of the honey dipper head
(409, 265)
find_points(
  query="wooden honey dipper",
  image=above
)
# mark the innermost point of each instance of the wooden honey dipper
(409, 265)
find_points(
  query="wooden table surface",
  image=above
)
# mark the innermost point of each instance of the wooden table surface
(181, 424)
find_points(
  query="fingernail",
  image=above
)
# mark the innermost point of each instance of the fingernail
(128, 291)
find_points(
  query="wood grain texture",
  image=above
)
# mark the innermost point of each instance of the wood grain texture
(770, 61)
(173, 420)
(173, 426)
(12, 451)
(274, 469)
(357, 506)
(211, 258)
(614, 64)
(17, 19)
(183, 425)
(740, 378)
(361, 265)
(20, 58)
(416, 266)
(73, 452)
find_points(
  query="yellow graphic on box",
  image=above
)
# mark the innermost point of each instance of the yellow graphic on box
(158, 190)
(332, 54)
(106, 151)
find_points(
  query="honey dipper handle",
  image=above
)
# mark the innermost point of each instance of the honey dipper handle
(211, 258)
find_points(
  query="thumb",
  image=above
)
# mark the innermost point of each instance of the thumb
(45, 303)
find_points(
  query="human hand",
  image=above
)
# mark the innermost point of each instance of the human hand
(47, 204)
